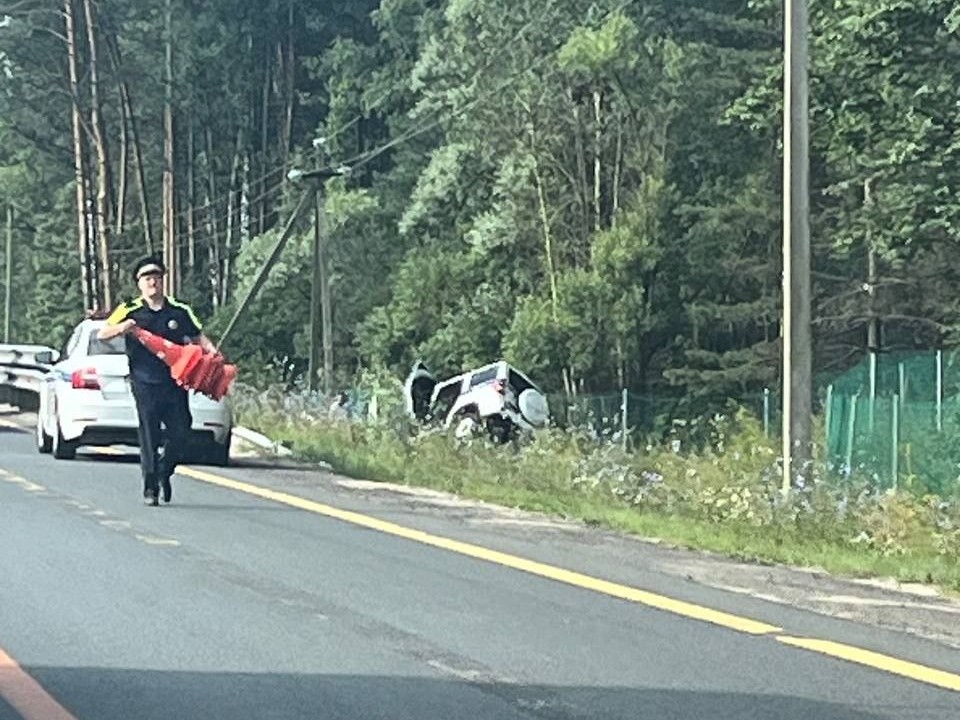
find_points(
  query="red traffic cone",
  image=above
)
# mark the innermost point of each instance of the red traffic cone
(190, 366)
(189, 357)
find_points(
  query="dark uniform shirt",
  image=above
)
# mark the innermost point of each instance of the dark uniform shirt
(175, 321)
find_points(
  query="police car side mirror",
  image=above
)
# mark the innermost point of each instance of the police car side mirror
(46, 357)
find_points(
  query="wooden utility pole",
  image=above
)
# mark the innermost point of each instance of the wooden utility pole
(191, 197)
(261, 276)
(83, 242)
(129, 120)
(103, 160)
(8, 276)
(797, 351)
(169, 231)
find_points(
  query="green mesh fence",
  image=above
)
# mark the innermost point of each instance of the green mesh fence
(896, 418)
(605, 414)
(609, 412)
(893, 419)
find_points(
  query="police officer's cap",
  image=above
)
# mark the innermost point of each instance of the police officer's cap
(150, 265)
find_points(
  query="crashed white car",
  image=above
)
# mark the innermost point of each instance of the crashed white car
(497, 398)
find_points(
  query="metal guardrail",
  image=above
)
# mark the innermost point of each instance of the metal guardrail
(21, 375)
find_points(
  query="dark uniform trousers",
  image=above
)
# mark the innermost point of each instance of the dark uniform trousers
(166, 404)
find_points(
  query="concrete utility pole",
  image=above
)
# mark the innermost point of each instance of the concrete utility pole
(797, 351)
(320, 299)
(267, 266)
(8, 276)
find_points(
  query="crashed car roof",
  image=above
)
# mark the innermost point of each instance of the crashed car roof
(458, 379)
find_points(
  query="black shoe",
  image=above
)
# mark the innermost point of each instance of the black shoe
(167, 490)
(150, 498)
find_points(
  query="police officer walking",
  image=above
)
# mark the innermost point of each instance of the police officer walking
(158, 398)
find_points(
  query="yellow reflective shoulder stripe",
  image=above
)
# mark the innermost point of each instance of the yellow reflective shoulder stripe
(121, 312)
(188, 310)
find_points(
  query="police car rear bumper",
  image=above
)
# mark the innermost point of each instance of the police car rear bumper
(95, 430)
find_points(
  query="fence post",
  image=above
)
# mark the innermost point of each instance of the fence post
(827, 420)
(902, 374)
(623, 416)
(895, 455)
(871, 409)
(766, 412)
(939, 390)
(851, 426)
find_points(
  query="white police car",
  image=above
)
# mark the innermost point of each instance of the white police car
(86, 399)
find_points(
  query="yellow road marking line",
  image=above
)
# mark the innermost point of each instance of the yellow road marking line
(678, 607)
(904, 668)
(26, 695)
(150, 540)
(877, 661)
(116, 524)
(27, 485)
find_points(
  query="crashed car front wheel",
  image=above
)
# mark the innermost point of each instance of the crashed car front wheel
(501, 430)
(465, 427)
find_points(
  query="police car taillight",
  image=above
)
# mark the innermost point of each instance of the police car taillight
(85, 379)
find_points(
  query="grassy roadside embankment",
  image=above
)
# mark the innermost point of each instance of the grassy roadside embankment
(723, 497)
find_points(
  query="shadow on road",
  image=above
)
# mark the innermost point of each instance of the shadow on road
(108, 694)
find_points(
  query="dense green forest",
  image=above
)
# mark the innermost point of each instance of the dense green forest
(590, 189)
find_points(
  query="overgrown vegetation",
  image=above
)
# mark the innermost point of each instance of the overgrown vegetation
(590, 188)
(712, 485)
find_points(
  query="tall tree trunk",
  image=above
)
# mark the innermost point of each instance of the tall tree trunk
(91, 223)
(169, 219)
(580, 154)
(103, 163)
(290, 79)
(213, 229)
(261, 189)
(191, 200)
(246, 206)
(245, 203)
(621, 363)
(617, 171)
(124, 159)
(547, 239)
(131, 120)
(874, 340)
(231, 212)
(8, 277)
(548, 251)
(597, 152)
(78, 154)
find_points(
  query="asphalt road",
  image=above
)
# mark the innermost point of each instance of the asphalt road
(262, 594)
